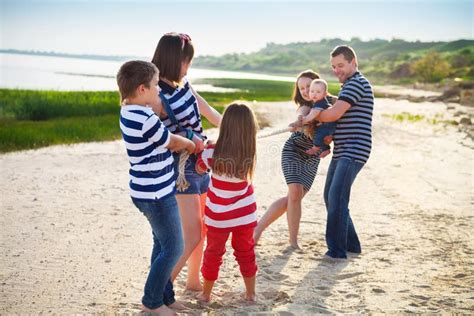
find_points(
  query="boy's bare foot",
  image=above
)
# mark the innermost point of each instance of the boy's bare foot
(325, 153)
(163, 310)
(203, 297)
(313, 150)
(178, 306)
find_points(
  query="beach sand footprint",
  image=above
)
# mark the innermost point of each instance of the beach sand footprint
(268, 274)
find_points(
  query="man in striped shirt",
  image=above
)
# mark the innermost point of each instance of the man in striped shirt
(352, 146)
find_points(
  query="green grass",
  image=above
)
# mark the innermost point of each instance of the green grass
(33, 119)
(45, 105)
(413, 118)
(19, 135)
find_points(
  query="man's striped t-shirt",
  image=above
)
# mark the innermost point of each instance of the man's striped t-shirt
(353, 135)
(151, 172)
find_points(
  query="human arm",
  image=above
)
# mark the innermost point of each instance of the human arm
(311, 116)
(178, 143)
(302, 111)
(204, 159)
(334, 112)
(208, 111)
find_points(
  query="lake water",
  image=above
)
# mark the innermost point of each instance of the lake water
(59, 73)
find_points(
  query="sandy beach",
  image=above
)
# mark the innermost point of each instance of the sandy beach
(72, 241)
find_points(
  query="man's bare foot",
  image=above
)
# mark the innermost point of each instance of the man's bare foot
(313, 150)
(178, 306)
(203, 297)
(325, 153)
(251, 297)
(163, 310)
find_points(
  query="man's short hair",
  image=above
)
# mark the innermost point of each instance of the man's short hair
(132, 74)
(347, 51)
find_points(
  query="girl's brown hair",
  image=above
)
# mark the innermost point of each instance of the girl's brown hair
(297, 97)
(236, 148)
(172, 50)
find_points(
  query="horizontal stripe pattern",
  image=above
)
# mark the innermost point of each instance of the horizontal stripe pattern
(230, 202)
(298, 166)
(145, 137)
(353, 135)
(184, 105)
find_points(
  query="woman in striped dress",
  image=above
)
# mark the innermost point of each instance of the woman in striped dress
(298, 167)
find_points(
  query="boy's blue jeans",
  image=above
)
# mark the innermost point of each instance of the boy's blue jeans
(340, 232)
(325, 129)
(168, 246)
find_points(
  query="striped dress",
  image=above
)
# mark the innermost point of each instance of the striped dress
(298, 166)
(152, 175)
(230, 202)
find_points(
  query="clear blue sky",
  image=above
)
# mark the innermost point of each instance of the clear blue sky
(134, 27)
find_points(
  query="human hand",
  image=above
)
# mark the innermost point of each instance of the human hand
(327, 139)
(190, 147)
(199, 144)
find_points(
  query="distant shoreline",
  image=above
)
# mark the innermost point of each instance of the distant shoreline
(66, 55)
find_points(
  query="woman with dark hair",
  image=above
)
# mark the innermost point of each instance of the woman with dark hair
(299, 168)
(181, 112)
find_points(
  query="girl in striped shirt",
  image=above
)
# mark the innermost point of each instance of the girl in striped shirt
(230, 204)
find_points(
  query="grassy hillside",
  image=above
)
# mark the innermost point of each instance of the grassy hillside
(379, 59)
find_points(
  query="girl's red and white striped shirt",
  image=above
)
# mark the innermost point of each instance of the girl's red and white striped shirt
(230, 202)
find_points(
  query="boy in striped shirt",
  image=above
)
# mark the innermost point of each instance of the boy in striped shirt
(152, 178)
(352, 145)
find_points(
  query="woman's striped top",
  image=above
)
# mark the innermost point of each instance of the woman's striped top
(184, 105)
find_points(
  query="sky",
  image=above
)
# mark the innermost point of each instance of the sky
(133, 28)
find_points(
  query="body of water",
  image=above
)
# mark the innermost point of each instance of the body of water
(74, 74)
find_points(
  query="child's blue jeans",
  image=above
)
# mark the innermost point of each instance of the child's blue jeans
(340, 232)
(168, 246)
(323, 130)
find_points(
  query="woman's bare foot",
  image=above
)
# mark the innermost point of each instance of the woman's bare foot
(295, 245)
(178, 306)
(163, 310)
(193, 287)
(203, 297)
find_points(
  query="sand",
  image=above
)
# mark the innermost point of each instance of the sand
(72, 242)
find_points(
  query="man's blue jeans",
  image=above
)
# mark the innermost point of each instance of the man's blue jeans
(340, 232)
(168, 246)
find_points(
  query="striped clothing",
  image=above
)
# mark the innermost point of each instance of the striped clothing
(298, 166)
(151, 172)
(230, 202)
(184, 105)
(353, 136)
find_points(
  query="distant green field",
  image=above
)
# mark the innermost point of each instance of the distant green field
(32, 119)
